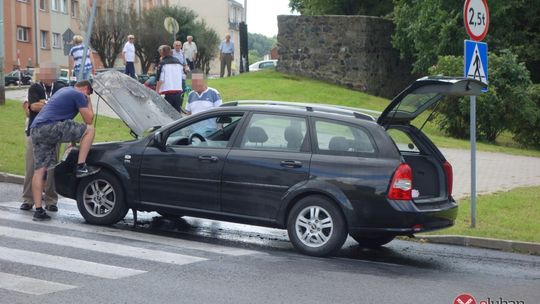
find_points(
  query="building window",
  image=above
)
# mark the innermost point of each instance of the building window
(23, 34)
(43, 5)
(63, 6)
(74, 9)
(25, 1)
(55, 5)
(44, 39)
(56, 40)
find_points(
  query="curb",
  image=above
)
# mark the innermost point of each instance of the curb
(489, 243)
(11, 178)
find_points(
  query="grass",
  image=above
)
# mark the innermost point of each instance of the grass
(511, 215)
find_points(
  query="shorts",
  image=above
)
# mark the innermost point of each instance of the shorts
(46, 137)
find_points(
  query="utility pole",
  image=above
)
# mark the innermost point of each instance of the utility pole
(87, 38)
(2, 44)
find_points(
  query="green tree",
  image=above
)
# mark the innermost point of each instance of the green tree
(150, 33)
(260, 44)
(507, 106)
(430, 28)
(109, 32)
(342, 7)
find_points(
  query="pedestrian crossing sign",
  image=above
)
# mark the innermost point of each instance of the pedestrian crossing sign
(476, 60)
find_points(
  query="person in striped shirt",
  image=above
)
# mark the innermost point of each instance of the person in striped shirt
(75, 60)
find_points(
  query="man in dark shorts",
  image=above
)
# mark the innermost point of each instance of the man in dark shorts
(54, 124)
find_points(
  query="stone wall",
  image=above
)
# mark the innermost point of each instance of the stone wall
(353, 51)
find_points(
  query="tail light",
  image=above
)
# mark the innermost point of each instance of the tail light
(449, 177)
(401, 185)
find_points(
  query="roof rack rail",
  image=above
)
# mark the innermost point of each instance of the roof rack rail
(311, 107)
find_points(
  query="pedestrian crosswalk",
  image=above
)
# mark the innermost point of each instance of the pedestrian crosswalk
(67, 240)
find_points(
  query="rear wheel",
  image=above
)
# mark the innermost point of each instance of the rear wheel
(316, 226)
(100, 199)
(372, 242)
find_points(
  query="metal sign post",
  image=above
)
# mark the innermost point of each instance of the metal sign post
(87, 39)
(172, 26)
(476, 20)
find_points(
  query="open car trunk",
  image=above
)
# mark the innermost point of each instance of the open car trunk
(432, 174)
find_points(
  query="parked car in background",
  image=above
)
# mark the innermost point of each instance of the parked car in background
(322, 172)
(12, 78)
(264, 64)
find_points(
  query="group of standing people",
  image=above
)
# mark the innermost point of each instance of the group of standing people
(51, 107)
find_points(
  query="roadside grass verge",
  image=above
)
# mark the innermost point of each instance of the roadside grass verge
(511, 215)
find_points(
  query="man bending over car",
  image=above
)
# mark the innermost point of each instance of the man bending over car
(54, 124)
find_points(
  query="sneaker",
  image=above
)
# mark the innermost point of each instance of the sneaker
(25, 206)
(52, 208)
(86, 170)
(41, 215)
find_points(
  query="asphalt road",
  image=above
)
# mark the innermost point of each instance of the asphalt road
(199, 261)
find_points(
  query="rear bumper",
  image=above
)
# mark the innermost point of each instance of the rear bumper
(407, 218)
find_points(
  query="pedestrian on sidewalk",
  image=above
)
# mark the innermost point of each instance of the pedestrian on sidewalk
(75, 60)
(38, 95)
(128, 54)
(190, 51)
(53, 125)
(226, 55)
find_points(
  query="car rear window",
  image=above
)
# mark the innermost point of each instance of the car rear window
(339, 138)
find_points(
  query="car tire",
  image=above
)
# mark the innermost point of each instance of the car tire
(100, 199)
(373, 242)
(316, 226)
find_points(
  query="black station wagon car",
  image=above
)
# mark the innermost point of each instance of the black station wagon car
(321, 172)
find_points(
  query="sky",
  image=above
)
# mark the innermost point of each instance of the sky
(262, 15)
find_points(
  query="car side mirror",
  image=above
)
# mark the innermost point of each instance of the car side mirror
(157, 141)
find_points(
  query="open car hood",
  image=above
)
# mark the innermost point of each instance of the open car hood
(139, 107)
(424, 93)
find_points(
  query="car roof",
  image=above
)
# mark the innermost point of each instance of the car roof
(309, 109)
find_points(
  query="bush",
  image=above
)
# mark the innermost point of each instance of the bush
(528, 133)
(506, 106)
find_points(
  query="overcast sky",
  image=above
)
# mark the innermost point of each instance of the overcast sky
(262, 15)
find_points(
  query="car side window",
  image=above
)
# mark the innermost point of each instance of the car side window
(274, 132)
(403, 141)
(214, 131)
(339, 138)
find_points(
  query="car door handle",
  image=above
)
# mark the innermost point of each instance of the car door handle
(291, 164)
(208, 158)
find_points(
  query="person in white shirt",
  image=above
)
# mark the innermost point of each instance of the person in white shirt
(128, 53)
(169, 78)
(190, 51)
(202, 98)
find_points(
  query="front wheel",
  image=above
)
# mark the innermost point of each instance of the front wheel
(316, 226)
(372, 242)
(100, 199)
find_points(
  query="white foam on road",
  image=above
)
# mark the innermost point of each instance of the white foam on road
(99, 246)
(29, 285)
(66, 264)
(138, 236)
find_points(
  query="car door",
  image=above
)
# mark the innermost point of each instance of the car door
(186, 171)
(271, 155)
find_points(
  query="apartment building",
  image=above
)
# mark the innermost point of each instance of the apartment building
(40, 30)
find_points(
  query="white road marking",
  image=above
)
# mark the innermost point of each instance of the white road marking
(29, 285)
(138, 236)
(99, 246)
(66, 264)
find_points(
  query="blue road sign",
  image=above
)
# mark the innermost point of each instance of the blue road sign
(476, 60)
